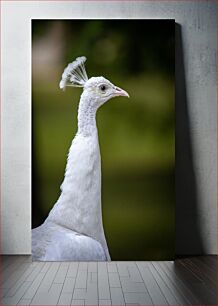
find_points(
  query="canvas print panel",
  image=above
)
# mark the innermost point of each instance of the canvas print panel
(118, 201)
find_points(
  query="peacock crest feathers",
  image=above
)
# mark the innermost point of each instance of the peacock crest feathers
(74, 74)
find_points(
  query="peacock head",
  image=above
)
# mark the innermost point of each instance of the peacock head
(102, 90)
(98, 88)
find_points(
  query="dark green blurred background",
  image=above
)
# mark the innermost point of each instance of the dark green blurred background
(136, 135)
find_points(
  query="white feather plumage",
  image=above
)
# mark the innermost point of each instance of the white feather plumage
(74, 229)
(74, 74)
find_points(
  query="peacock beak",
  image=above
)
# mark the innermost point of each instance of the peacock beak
(121, 92)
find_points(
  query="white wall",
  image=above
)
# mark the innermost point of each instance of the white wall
(198, 29)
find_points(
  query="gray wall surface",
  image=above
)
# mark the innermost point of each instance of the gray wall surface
(196, 206)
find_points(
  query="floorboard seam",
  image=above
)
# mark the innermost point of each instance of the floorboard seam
(74, 284)
(40, 284)
(63, 284)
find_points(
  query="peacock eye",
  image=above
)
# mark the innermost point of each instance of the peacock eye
(103, 88)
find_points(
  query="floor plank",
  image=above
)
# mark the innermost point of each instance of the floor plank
(181, 298)
(17, 296)
(78, 302)
(49, 277)
(204, 293)
(31, 291)
(112, 267)
(209, 275)
(165, 287)
(48, 298)
(61, 274)
(69, 285)
(117, 296)
(105, 302)
(81, 277)
(29, 275)
(209, 262)
(114, 280)
(24, 302)
(169, 269)
(103, 282)
(187, 281)
(140, 298)
(5, 262)
(17, 264)
(65, 298)
(15, 275)
(152, 286)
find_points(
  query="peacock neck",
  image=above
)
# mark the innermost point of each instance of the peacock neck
(86, 116)
(79, 205)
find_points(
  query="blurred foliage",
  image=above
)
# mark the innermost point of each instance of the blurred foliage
(136, 136)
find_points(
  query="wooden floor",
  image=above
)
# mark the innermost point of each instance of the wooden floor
(187, 281)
